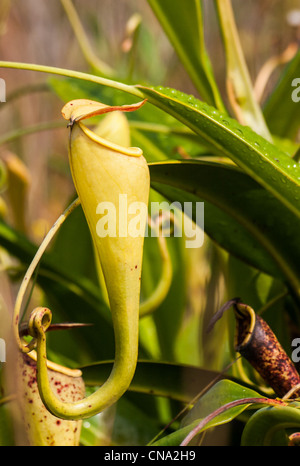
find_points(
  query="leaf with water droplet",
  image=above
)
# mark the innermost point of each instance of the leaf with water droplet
(246, 151)
(239, 214)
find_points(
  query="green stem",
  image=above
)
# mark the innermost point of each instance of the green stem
(73, 74)
(152, 127)
(273, 301)
(97, 64)
(23, 288)
(135, 26)
(157, 297)
(205, 61)
(7, 399)
(24, 91)
(20, 132)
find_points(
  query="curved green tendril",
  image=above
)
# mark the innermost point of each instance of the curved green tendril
(24, 347)
(106, 395)
(157, 297)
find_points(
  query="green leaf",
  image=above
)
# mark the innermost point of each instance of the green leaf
(281, 110)
(6, 427)
(238, 77)
(264, 162)
(167, 318)
(124, 424)
(132, 425)
(179, 382)
(219, 395)
(267, 427)
(188, 42)
(3, 176)
(239, 214)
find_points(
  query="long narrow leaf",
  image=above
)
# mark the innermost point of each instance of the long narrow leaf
(183, 24)
(175, 381)
(239, 83)
(282, 108)
(264, 162)
(240, 215)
